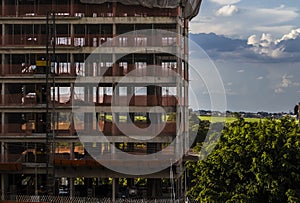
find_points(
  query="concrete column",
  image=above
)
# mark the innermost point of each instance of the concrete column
(113, 150)
(2, 152)
(72, 62)
(2, 186)
(72, 7)
(2, 93)
(72, 154)
(5, 154)
(3, 8)
(114, 8)
(2, 63)
(114, 29)
(186, 50)
(179, 122)
(72, 157)
(186, 117)
(114, 42)
(3, 43)
(116, 94)
(72, 187)
(72, 32)
(71, 130)
(35, 181)
(179, 50)
(114, 190)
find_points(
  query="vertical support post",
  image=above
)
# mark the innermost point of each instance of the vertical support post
(72, 187)
(2, 71)
(17, 8)
(186, 82)
(3, 38)
(113, 190)
(2, 152)
(2, 186)
(3, 131)
(3, 94)
(114, 30)
(2, 175)
(3, 8)
(35, 181)
(72, 8)
(5, 154)
(71, 114)
(72, 157)
(114, 9)
(72, 63)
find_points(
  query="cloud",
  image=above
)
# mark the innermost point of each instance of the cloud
(227, 10)
(242, 21)
(266, 40)
(286, 82)
(292, 35)
(281, 14)
(253, 40)
(264, 48)
(287, 47)
(224, 2)
(260, 78)
(241, 71)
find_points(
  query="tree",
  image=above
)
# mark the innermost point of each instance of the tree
(252, 162)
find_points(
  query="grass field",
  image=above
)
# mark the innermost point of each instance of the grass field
(215, 119)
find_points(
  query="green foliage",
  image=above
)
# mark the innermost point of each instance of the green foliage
(252, 162)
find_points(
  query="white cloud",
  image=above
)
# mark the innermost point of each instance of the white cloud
(266, 40)
(241, 71)
(227, 10)
(286, 82)
(253, 40)
(266, 46)
(260, 78)
(247, 21)
(278, 90)
(224, 2)
(292, 35)
(281, 14)
(278, 30)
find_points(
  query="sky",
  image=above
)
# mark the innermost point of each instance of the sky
(255, 47)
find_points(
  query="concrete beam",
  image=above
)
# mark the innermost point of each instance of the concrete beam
(104, 173)
(83, 109)
(90, 20)
(84, 137)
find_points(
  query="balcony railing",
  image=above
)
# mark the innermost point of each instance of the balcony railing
(97, 69)
(91, 40)
(32, 99)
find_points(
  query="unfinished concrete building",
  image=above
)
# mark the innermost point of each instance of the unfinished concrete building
(45, 46)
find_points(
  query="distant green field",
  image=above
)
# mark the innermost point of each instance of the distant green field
(215, 119)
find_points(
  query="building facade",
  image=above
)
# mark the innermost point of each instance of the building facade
(70, 68)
